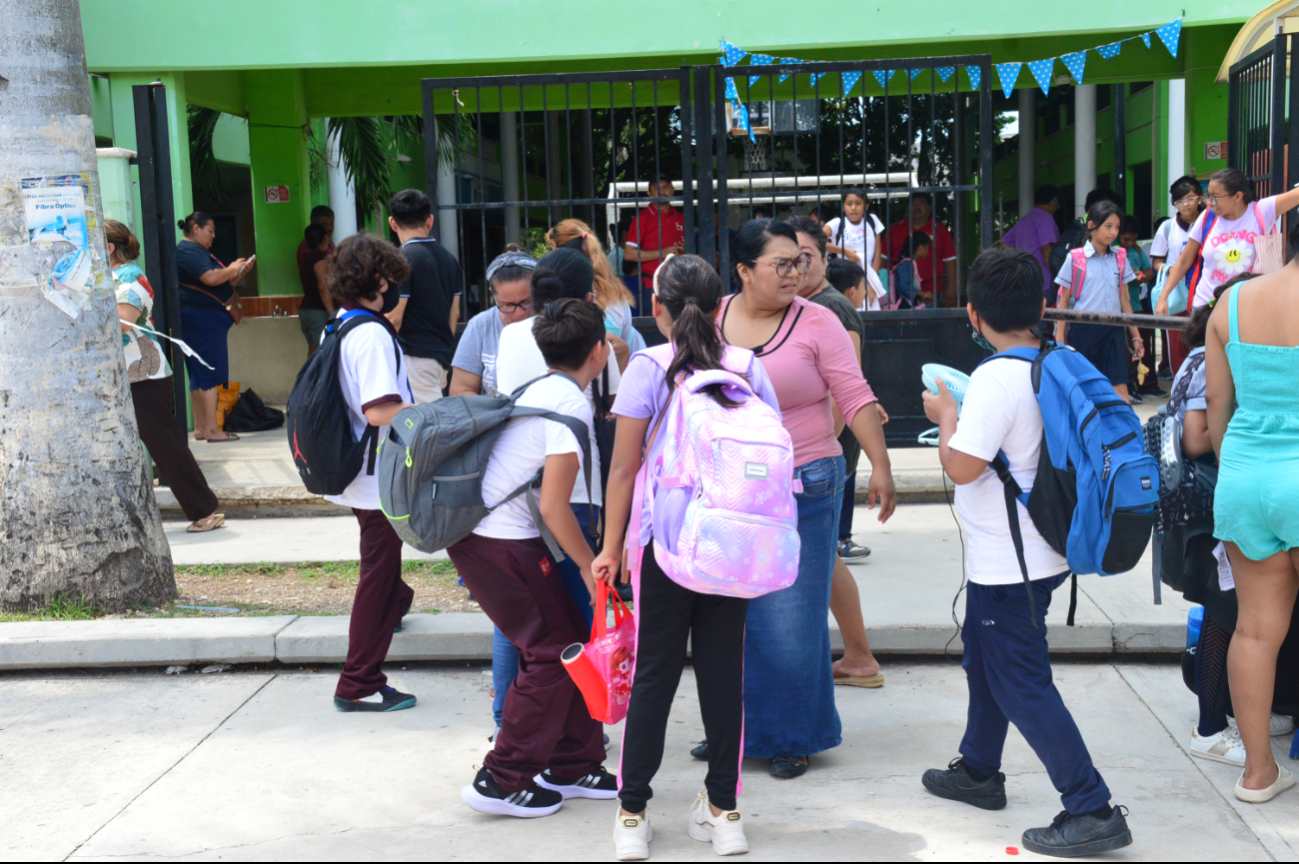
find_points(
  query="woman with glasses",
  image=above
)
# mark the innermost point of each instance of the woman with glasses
(789, 710)
(509, 277)
(1187, 196)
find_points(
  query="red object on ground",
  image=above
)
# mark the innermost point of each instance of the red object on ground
(1012, 850)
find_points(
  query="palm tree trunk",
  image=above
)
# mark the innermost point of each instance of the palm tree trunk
(77, 513)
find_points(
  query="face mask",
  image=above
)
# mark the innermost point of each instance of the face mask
(983, 343)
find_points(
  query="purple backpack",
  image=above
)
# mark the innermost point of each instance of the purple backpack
(722, 493)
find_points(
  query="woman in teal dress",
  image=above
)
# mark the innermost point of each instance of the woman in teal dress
(1253, 414)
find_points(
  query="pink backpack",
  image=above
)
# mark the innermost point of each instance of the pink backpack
(722, 494)
(1079, 273)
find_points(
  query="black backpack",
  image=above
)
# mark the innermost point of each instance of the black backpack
(319, 429)
(1070, 238)
(251, 414)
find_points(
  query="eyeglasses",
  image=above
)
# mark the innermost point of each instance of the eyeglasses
(789, 266)
(1214, 199)
(511, 308)
(1187, 201)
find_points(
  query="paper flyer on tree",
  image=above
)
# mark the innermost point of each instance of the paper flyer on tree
(60, 214)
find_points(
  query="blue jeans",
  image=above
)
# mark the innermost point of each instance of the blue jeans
(788, 683)
(1009, 674)
(505, 657)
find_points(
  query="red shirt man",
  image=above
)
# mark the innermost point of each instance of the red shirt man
(659, 230)
(942, 257)
(324, 217)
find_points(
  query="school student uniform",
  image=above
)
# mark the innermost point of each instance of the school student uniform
(506, 566)
(1106, 347)
(372, 372)
(1006, 661)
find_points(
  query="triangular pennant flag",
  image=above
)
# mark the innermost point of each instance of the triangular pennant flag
(733, 54)
(912, 73)
(976, 76)
(1169, 34)
(1041, 70)
(1008, 74)
(817, 76)
(741, 114)
(1110, 51)
(850, 80)
(730, 90)
(1145, 37)
(945, 73)
(759, 60)
(1074, 63)
(884, 77)
(785, 77)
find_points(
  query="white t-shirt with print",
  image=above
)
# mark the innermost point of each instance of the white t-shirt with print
(519, 360)
(521, 452)
(1229, 249)
(860, 238)
(372, 371)
(1169, 242)
(1000, 414)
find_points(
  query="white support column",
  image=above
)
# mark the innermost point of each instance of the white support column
(342, 191)
(1084, 145)
(510, 175)
(448, 224)
(1027, 148)
(1176, 137)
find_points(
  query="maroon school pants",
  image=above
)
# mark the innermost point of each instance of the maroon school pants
(546, 723)
(382, 598)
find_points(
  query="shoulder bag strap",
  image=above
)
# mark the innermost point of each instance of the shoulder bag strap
(234, 295)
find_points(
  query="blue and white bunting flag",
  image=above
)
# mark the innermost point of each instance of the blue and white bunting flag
(850, 80)
(1110, 51)
(1169, 34)
(817, 76)
(912, 73)
(884, 77)
(1042, 70)
(945, 73)
(731, 92)
(759, 60)
(976, 76)
(1145, 37)
(1008, 74)
(1075, 63)
(785, 77)
(733, 54)
(741, 114)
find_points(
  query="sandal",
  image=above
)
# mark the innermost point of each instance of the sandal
(199, 526)
(788, 767)
(230, 436)
(871, 682)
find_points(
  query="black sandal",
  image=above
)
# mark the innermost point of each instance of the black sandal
(788, 767)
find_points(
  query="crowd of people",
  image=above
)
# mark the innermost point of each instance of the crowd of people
(787, 321)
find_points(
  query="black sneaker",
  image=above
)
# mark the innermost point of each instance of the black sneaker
(956, 784)
(700, 751)
(392, 700)
(486, 796)
(850, 551)
(1076, 836)
(600, 785)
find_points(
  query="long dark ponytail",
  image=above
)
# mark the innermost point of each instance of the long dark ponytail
(690, 289)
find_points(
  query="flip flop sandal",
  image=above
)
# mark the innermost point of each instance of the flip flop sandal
(872, 682)
(216, 520)
(230, 436)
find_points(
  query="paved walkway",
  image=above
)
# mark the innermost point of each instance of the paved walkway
(258, 766)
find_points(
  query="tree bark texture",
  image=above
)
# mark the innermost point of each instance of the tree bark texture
(77, 511)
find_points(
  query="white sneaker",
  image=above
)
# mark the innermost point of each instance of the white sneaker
(1225, 747)
(632, 836)
(724, 831)
(1279, 725)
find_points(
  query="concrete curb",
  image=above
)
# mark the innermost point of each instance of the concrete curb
(463, 636)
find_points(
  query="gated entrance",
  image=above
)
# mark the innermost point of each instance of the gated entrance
(1260, 135)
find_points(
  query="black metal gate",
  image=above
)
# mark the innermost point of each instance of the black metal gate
(1258, 129)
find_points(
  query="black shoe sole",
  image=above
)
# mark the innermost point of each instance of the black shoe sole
(348, 706)
(982, 803)
(1081, 850)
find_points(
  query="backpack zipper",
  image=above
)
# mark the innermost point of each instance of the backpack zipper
(1108, 449)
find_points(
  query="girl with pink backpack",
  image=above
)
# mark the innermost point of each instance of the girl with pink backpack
(702, 487)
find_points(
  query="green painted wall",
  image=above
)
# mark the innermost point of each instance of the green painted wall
(277, 144)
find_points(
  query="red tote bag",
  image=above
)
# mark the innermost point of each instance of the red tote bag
(602, 668)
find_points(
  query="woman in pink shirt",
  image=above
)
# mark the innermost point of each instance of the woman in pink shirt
(789, 710)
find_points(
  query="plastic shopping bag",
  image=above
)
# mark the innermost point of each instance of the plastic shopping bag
(602, 668)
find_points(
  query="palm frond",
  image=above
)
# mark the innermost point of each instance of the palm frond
(366, 157)
(202, 160)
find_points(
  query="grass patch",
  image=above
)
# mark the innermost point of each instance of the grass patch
(342, 571)
(61, 608)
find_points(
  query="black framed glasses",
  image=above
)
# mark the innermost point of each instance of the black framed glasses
(790, 266)
(511, 308)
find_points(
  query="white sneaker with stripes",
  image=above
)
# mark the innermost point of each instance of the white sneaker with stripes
(599, 784)
(725, 830)
(486, 796)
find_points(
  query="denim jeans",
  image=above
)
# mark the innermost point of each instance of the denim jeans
(505, 657)
(788, 683)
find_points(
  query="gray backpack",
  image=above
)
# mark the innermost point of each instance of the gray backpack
(432, 463)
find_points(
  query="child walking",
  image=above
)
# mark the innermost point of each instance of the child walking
(1006, 661)
(548, 748)
(686, 300)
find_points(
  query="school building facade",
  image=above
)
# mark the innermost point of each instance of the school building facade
(276, 70)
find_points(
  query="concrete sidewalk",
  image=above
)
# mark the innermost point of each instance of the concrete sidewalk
(259, 766)
(907, 586)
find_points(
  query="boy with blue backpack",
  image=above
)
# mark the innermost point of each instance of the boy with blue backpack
(1035, 417)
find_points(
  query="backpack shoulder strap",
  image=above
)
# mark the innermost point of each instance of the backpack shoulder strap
(1121, 255)
(1001, 465)
(1078, 275)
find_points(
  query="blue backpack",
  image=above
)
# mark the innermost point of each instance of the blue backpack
(1096, 489)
